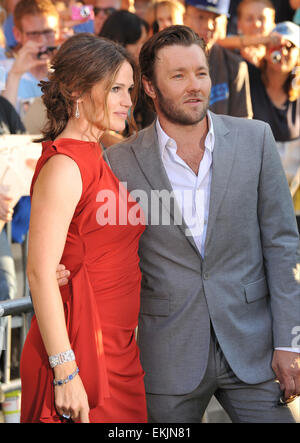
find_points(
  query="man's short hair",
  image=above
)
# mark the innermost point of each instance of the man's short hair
(173, 35)
(33, 7)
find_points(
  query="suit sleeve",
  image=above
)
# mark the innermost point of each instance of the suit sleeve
(280, 243)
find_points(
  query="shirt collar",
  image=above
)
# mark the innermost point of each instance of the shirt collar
(164, 141)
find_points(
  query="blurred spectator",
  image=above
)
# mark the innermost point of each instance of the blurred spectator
(102, 10)
(10, 123)
(68, 26)
(275, 95)
(256, 19)
(127, 4)
(283, 9)
(142, 8)
(230, 93)
(2, 38)
(164, 13)
(130, 31)
(36, 28)
(295, 5)
(8, 25)
(232, 19)
(86, 24)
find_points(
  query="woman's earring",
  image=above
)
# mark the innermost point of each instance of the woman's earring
(77, 113)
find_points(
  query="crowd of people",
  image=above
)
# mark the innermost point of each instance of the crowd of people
(61, 80)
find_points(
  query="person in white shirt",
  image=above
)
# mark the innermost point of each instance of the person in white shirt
(36, 31)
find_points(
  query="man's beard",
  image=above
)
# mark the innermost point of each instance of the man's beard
(178, 116)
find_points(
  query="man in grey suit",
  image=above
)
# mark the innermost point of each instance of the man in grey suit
(219, 300)
(218, 291)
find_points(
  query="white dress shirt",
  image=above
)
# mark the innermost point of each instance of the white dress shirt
(192, 191)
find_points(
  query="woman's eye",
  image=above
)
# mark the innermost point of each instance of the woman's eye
(115, 88)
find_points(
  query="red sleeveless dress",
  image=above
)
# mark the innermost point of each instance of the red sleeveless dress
(101, 301)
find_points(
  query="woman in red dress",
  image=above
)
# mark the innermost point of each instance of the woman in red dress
(80, 361)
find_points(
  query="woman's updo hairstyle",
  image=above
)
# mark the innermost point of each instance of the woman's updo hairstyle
(80, 63)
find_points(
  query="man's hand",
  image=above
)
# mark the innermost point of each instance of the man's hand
(27, 59)
(62, 275)
(286, 366)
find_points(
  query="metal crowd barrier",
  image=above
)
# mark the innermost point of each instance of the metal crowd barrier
(16, 306)
(19, 314)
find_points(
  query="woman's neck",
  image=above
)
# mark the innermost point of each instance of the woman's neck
(80, 129)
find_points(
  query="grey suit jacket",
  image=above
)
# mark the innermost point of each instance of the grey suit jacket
(244, 286)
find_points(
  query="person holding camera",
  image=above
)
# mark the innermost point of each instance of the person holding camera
(275, 94)
(36, 30)
(230, 94)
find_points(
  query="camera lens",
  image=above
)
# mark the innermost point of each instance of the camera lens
(84, 11)
(276, 57)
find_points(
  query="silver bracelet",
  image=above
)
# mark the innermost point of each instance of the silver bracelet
(66, 380)
(61, 358)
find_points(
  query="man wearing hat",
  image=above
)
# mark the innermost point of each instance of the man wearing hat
(230, 93)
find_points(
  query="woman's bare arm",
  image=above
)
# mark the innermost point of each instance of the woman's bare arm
(56, 194)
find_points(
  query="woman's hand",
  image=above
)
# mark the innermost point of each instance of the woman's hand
(71, 398)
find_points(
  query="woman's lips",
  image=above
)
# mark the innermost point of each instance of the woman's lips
(123, 115)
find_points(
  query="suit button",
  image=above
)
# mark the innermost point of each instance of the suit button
(205, 275)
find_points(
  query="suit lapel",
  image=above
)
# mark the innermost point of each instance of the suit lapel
(149, 158)
(223, 159)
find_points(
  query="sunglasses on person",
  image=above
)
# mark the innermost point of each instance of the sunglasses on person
(36, 35)
(107, 11)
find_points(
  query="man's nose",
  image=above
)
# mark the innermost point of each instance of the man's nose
(194, 83)
(42, 39)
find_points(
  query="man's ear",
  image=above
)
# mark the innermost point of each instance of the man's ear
(149, 88)
(18, 34)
